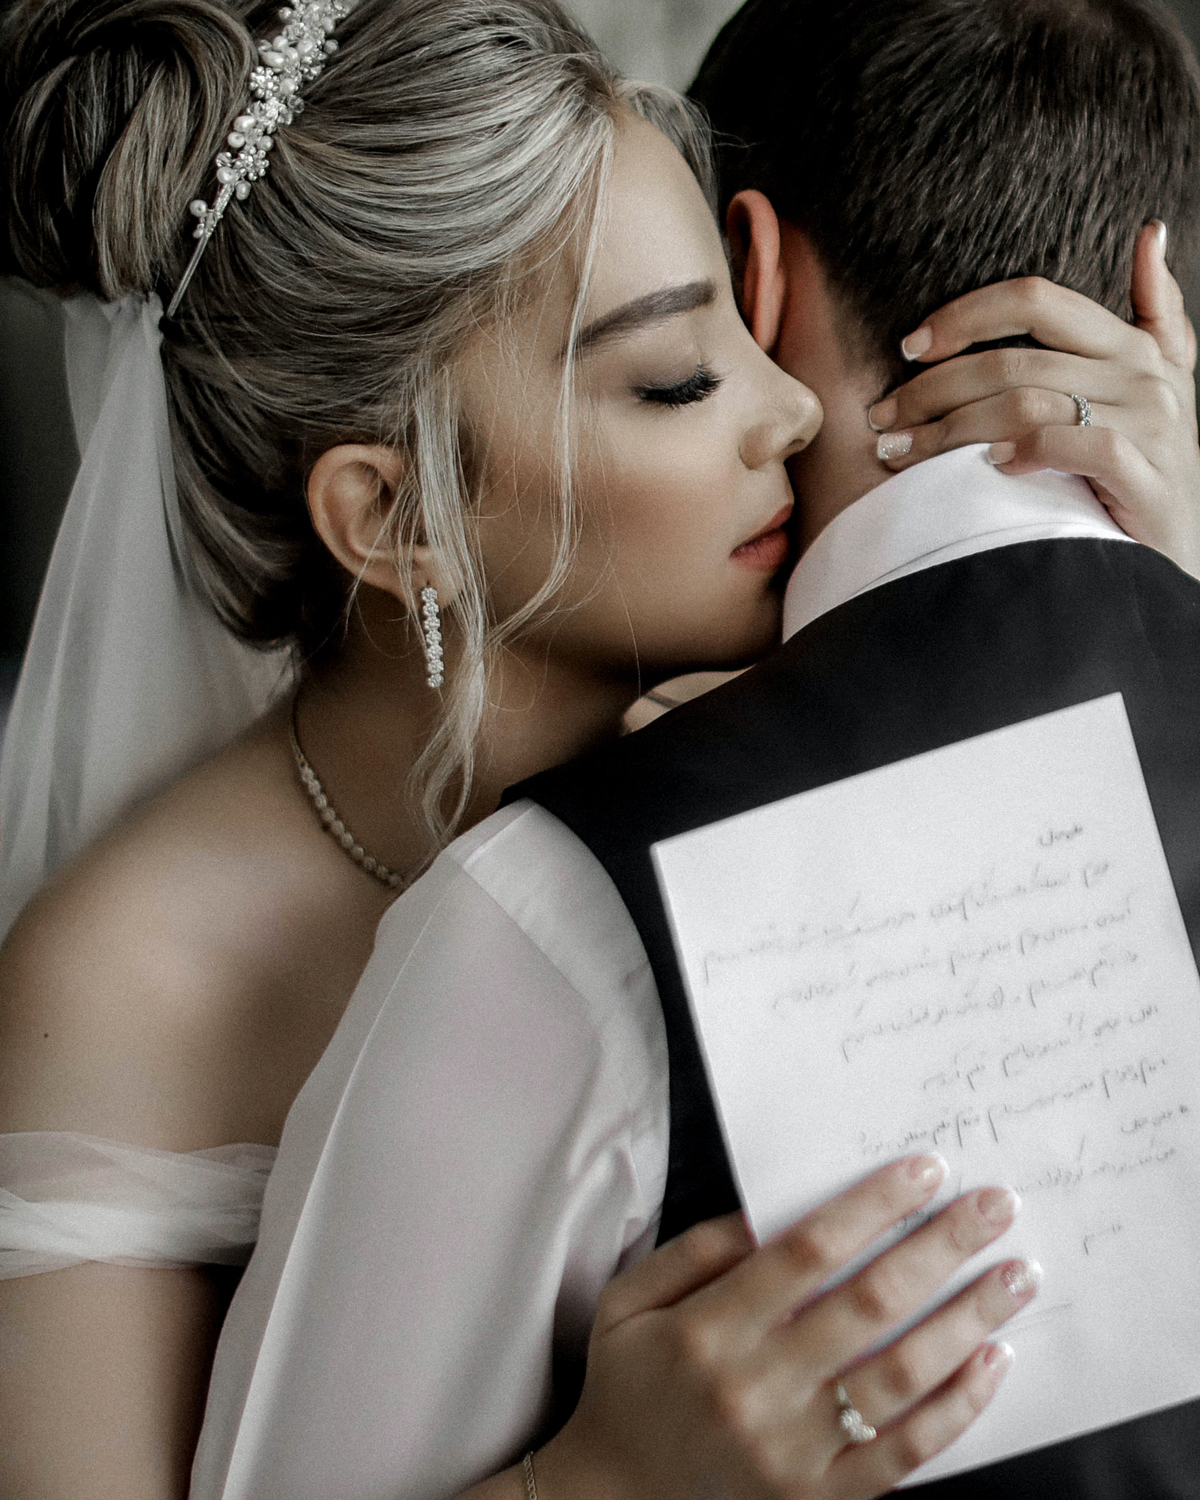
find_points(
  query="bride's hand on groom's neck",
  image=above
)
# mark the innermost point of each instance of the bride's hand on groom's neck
(1140, 454)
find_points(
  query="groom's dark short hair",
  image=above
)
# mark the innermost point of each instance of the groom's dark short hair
(929, 147)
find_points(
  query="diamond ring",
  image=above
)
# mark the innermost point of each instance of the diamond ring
(1085, 409)
(850, 1419)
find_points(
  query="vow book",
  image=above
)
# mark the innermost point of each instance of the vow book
(977, 951)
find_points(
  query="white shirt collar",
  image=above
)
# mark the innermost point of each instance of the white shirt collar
(951, 506)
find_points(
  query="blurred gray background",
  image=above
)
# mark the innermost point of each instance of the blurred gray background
(658, 40)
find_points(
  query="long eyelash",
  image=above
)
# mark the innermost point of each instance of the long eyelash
(697, 387)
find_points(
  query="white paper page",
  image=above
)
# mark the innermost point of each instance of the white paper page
(977, 951)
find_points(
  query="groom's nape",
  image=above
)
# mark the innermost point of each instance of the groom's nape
(925, 148)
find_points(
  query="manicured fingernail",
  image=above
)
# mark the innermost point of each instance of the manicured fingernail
(998, 1205)
(1160, 234)
(917, 343)
(927, 1169)
(894, 445)
(998, 1357)
(883, 414)
(1021, 1276)
(1000, 453)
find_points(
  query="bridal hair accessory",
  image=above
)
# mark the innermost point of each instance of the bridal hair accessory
(296, 55)
(129, 678)
(431, 629)
(1085, 409)
(850, 1419)
(333, 824)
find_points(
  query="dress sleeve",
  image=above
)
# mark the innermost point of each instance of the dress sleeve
(67, 1198)
(481, 1147)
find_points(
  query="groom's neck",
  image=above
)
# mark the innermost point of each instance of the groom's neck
(841, 464)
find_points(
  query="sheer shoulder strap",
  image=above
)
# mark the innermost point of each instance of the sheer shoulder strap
(68, 1198)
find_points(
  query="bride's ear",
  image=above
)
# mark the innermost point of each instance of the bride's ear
(351, 490)
(752, 227)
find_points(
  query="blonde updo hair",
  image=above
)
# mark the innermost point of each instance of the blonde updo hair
(449, 149)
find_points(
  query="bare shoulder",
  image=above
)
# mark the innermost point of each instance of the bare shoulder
(175, 985)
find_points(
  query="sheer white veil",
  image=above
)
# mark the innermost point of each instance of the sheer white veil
(129, 678)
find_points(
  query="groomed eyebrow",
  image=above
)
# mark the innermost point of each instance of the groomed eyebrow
(652, 308)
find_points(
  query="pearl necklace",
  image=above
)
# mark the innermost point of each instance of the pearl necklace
(332, 822)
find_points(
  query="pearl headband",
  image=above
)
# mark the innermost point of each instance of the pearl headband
(296, 55)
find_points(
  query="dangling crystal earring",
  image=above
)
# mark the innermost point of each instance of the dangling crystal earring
(431, 628)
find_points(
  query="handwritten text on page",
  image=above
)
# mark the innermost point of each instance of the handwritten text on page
(977, 951)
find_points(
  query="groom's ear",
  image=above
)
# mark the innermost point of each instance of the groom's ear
(752, 227)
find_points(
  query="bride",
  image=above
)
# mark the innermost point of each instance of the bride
(463, 434)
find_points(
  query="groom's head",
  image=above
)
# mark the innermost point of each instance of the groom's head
(918, 149)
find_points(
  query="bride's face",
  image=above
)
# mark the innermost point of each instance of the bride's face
(680, 429)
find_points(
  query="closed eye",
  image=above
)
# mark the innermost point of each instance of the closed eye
(697, 387)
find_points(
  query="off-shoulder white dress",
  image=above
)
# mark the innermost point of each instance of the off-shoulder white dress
(67, 1198)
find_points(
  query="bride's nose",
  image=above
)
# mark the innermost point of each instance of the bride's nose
(791, 417)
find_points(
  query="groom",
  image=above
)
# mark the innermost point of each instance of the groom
(879, 157)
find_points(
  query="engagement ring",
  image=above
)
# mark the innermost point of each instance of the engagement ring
(850, 1419)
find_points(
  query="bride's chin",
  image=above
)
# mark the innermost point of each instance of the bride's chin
(749, 630)
(738, 655)
(765, 635)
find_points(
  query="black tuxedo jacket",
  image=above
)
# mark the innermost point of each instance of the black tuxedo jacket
(936, 657)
